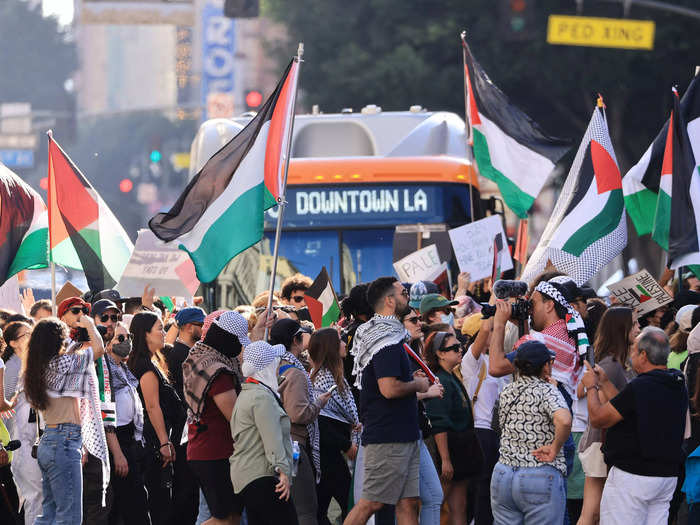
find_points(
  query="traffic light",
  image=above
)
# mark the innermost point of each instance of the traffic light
(518, 19)
(242, 8)
(156, 156)
(253, 99)
(125, 185)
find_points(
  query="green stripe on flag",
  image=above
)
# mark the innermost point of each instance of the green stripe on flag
(32, 254)
(237, 228)
(269, 200)
(662, 220)
(598, 227)
(640, 207)
(332, 315)
(516, 199)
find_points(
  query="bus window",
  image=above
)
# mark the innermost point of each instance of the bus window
(370, 252)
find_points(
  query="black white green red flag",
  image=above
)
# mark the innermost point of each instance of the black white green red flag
(677, 218)
(322, 301)
(84, 234)
(587, 228)
(509, 147)
(221, 211)
(24, 241)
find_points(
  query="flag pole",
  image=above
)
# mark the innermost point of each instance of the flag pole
(463, 36)
(282, 201)
(54, 306)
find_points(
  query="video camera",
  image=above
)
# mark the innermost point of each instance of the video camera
(504, 289)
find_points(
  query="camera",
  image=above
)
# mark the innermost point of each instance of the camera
(83, 335)
(520, 309)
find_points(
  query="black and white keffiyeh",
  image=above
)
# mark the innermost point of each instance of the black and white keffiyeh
(341, 405)
(312, 428)
(123, 378)
(377, 333)
(574, 322)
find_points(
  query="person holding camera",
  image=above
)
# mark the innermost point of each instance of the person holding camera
(61, 382)
(69, 311)
(130, 500)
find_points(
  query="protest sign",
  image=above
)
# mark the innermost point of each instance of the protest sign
(640, 292)
(67, 291)
(9, 295)
(169, 270)
(473, 246)
(423, 265)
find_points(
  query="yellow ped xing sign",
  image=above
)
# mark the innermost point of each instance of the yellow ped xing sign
(600, 32)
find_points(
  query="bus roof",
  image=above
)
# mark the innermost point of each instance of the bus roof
(381, 170)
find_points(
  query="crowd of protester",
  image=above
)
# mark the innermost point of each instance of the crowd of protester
(413, 408)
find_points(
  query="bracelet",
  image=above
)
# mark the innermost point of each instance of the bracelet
(597, 387)
(168, 444)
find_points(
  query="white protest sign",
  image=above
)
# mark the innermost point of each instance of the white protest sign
(640, 292)
(9, 295)
(169, 270)
(423, 265)
(473, 247)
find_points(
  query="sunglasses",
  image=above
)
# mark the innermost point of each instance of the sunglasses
(122, 337)
(414, 320)
(457, 347)
(77, 309)
(113, 317)
(297, 298)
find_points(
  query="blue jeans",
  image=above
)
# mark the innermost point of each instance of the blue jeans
(430, 489)
(59, 458)
(527, 495)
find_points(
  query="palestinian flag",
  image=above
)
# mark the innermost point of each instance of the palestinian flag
(220, 213)
(321, 301)
(496, 265)
(587, 229)
(509, 147)
(84, 234)
(24, 241)
(642, 182)
(677, 218)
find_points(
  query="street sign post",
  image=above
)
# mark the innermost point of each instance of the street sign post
(600, 32)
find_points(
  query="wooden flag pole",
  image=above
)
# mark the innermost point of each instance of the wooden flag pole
(282, 199)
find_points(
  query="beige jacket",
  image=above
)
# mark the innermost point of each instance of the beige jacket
(297, 403)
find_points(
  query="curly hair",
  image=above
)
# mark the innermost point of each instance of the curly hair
(324, 350)
(295, 282)
(10, 334)
(46, 342)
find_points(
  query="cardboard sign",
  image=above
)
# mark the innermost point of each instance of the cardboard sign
(640, 292)
(67, 291)
(10, 298)
(169, 270)
(473, 247)
(423, 265)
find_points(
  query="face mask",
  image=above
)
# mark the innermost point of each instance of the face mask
(447, 319)
(122, 349)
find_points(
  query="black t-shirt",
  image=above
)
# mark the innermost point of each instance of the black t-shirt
(170, 405)
(387, 420)
(648, 440)
(175, 358)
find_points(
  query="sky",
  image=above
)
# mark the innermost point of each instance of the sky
(62, 8)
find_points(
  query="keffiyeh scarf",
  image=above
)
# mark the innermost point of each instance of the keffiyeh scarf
(341, 405)
(73, 375)
(123, 378)
(202, 366)
(312, 428)
(377, 333)
(574, 323)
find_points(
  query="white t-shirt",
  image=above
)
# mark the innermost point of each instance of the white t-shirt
(580, 419)
(489, 391)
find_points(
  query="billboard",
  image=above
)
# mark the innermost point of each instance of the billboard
(175, 12)
(218, 61)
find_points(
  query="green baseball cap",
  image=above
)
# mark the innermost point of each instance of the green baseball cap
(434, 300)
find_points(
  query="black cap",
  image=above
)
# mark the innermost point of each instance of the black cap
(587, 292)
(283, 332)
(534, 352)
(101, 306)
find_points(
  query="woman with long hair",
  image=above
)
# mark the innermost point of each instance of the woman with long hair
(16, 338)
(61, 382)
(338, 422)
(453, 440)
(615, 335)
(163, 411)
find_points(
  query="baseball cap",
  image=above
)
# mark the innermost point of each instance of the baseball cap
(191, 314)
(419, 290)
(434, 300)
(234, 323)
(260, 354)
(472, 324)
(684, 317)
(110, 294)
(534, 352)
(102, 306)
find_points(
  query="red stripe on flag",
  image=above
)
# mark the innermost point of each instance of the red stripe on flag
(667, 165)
(420, 362)
(315, 311)
(607, 174)
(277, 133)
